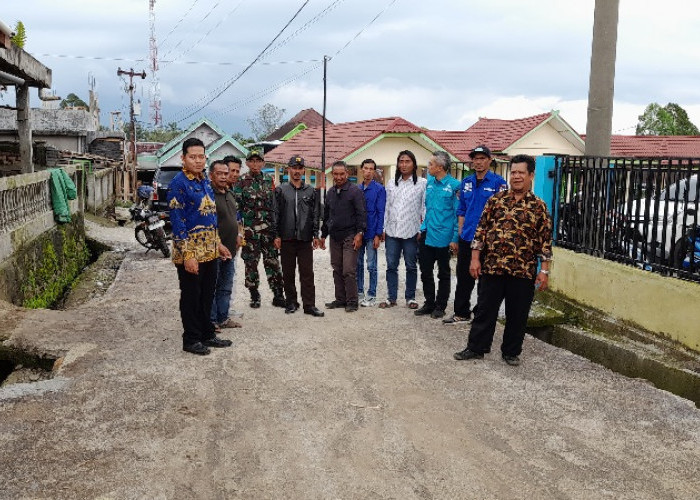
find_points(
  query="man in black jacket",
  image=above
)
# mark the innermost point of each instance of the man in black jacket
(345, 221)
(296, 236)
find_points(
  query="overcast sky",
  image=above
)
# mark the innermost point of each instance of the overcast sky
(440, 64)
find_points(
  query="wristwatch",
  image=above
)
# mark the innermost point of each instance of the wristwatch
(544, 272)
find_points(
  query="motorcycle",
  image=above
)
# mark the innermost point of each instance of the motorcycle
(150, 229)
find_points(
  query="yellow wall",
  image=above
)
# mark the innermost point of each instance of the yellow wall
(546, 139)
(667, 306)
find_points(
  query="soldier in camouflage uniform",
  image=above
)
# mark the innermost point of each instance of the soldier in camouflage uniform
(255, 197)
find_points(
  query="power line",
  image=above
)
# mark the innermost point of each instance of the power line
(237, 77)
(180, 21)
(195, 27)
(223, 19)
(303, 28)
(392, 2)
(162, 61)
(269, 90)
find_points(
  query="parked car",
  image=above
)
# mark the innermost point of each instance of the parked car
(161, 180)
(665, 226)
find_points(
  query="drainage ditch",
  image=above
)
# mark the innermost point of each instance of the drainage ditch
(95, 278)
(18, 366)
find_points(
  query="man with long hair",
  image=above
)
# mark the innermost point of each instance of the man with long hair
(403, 214)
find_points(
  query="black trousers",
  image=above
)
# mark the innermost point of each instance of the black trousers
(427, 256)
(518, 294)
(196, 297)
(465, 282)
(344, 264)
(295, 252)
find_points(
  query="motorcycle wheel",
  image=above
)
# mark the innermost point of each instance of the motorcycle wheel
(142, 237)
(162, 242)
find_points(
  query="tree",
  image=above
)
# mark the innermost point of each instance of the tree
(668, 120)
(73, 101)
(164, 134)
(241, 139)
(266, 120)
(20, 36)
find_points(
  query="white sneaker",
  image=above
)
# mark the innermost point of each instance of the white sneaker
(360, 296)
(369, 302)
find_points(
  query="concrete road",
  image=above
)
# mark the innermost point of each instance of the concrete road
(362, 405)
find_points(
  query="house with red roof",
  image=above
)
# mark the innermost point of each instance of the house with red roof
(380, 139)
(654, 146)
(546, 133)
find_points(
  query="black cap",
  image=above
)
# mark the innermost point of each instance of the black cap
(480, 149)
(296, 161)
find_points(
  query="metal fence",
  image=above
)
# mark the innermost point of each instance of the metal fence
(642, 212)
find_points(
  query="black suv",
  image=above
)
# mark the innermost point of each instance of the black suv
(161, 181)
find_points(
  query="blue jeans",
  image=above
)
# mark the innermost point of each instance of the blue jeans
(224, 287)
(394, 247)
(368, 246)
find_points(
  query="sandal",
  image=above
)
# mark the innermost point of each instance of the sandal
(387, 304)
(412, 304)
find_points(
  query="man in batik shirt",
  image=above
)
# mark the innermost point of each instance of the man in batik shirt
(196, 247)
(514, 233)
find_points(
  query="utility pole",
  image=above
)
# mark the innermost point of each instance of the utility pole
(131, 159)
(601, 86)
(323, 131)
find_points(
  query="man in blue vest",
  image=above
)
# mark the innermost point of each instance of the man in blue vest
(474, 192)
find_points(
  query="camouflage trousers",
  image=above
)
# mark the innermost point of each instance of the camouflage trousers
(250, 254)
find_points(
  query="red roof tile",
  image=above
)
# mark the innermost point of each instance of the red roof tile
(494, 133)
(651, 146)
(309, 117)
(341, 140)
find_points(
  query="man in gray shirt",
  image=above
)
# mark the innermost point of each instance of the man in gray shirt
(226, 211)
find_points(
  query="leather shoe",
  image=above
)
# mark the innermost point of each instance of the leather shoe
(336, 304)
(314, 311)
(437, 313)
(217, 342)
(423, 311)
(349, 308)
(254, 298)
(291, 308)
(196, 348)
(511, 360)
(278, 301)
(467, 354)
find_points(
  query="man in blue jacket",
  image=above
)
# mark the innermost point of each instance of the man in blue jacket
(438, 237)
(474, 192)
(375, 201)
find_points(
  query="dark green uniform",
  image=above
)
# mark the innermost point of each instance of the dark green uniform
(255, 198)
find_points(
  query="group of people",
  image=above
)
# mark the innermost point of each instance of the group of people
(501, 236)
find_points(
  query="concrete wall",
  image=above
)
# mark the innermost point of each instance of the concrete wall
(37, 257)
(100, 189)
(665, 306)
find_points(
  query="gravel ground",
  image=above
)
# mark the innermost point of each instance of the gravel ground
(362, 405)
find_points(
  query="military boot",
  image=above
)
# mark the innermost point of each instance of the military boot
(278, 300)
(254, 298)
